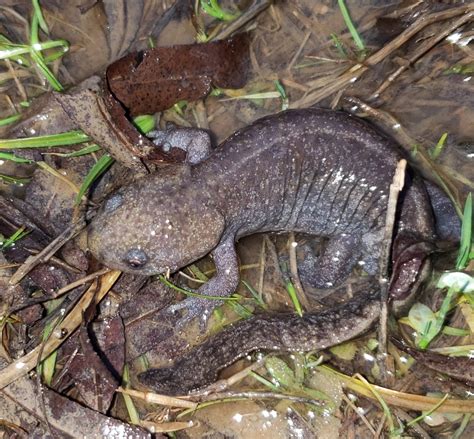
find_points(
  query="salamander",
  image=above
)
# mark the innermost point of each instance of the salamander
(315, 171)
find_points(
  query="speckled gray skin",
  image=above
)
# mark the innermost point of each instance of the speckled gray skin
(314, 171)
(272, 332)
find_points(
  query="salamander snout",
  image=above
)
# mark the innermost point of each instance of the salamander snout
(136, 258)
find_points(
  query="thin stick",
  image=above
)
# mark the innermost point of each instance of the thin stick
(252, 11)
(298, 52)
(47, 252)
(358, 413)
(384, 260)
(294, 272)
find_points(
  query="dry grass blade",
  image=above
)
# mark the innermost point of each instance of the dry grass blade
(23, 365)
(422, 49)
(252, 11)
(402, 399)
(294, 273)
(167, 427)
(155, 398)
(47, 252)
(356, 71)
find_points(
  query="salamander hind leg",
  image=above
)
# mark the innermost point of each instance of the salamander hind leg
(334, 264)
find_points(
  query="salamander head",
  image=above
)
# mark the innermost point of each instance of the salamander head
(154, 225)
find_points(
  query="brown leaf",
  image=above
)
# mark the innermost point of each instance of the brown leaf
(66, 418)
(153, 80)
(103, 119)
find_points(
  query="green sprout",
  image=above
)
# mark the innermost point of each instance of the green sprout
(10, 242)
(212, 8)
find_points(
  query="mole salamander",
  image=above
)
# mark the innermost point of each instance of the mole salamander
(315, 171)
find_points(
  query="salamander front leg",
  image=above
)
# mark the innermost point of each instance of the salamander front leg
(223, 284)
(194, 141)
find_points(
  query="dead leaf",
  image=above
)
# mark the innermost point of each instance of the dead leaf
(153, 80)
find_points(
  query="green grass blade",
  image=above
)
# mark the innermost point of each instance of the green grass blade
(39, 14)
(212, 8)
(37, 57)
(350, 25)
(13, 158)
(294, 298)
(145, 123)
(14, 180)
(255, 294)
(6, 46)
(49, 76)
(466, 235)
(20, 233)
(439, 146)
(131, 409)
(193, 294)
(9, 120)
(98, 169)
(434, 327)
(83, 151)
(62, 139)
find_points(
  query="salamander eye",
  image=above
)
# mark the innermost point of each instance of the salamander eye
(114, 202)
(136, 258)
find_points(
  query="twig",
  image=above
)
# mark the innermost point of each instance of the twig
(262, 258)
(252, 11)
(62, 290)
(384, 260)
(159, 399)
(298, 52)
(47, 252)
(402, 399)
(358, 413)
(294, 272)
